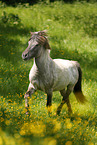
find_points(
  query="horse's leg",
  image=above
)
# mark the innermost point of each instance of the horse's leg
(27, 95)
(49, 101)
(65, 99)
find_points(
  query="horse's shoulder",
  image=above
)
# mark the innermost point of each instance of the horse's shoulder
(33, 73)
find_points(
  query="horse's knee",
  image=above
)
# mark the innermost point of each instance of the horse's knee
(27, 95)
(29, 92)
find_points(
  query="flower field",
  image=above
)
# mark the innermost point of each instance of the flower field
(72, 33)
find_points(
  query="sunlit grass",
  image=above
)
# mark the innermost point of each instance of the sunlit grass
(72, 36)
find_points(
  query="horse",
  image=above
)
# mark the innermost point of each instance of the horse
(49, 75)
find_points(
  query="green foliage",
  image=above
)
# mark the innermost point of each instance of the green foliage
(12, 19)
(73, 35)
(2, 5)
(91, 25)
(23, 2)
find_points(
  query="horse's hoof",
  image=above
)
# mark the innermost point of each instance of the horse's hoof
(70, 112)
(27, 113)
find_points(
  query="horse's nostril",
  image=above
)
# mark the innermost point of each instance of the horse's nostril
(26, 55)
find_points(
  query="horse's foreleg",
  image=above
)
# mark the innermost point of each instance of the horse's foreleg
(49, 101)
(27, 95)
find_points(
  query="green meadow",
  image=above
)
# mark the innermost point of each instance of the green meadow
(72, 34)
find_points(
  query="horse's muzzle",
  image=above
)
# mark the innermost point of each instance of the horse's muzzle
(25, 56)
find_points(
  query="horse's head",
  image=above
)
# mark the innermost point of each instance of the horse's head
(36, 43)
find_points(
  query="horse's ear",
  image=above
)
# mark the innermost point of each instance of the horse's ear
(46, 45)
(31, 33)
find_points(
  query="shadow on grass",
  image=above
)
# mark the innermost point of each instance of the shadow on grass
(6, 43)
(8, 30)
(11, 53)
(13, 69)
(9, 47)
(9, 50)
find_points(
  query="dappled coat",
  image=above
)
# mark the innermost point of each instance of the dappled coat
(49, 74)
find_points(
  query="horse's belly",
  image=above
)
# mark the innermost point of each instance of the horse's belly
(60, 84)
(64, 80)
(59, 88)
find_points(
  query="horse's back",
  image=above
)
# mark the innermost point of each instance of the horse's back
(62, 63)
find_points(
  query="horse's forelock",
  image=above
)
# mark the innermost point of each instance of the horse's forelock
(41, 38)
(42, 33)
(38, 34)
(43, 41)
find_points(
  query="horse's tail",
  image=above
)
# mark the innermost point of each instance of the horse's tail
(77, 88)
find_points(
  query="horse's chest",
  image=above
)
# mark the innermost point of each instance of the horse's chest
(46, 80)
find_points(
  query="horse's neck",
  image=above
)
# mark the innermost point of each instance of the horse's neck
(43, 62)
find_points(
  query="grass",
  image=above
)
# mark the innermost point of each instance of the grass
(72, 31)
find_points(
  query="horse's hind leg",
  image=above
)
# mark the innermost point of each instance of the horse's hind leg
(65, 99)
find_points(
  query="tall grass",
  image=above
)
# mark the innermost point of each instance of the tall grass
(72, 33)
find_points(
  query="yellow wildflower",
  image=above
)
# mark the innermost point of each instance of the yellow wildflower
(22, 132)
(7, 122)
(32, 128)
(68, 124)
(52, 142)
(68, 143)
(2, 119)
(16, 135)
(36, 93)
(1, 141)
(49, 141)
(57, 125)
(49, 109)
(90, 143)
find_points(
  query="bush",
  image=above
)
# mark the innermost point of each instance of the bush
(91, 25)
(15, 2)
(12, 19)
